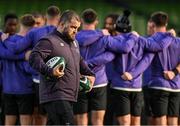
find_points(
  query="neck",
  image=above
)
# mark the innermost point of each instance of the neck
(89, 27)
(23, 31)
(64, 35)
(51, 22)
(160, 29)
(118, 33)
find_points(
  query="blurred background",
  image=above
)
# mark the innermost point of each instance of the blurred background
(141, 9)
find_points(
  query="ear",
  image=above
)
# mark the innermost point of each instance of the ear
(166, 24)
(114, 25)
(154, 26)
(96, 22)
(62, 25)
(82, 20)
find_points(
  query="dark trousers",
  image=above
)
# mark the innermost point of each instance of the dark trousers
(2, 115)
(59, 112)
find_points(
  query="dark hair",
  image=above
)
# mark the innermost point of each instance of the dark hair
(123, 23)
(27, 20)
(10, 16)
(178, 33)
(53, 11)
(159, 18)
(38, 15)
(89, 16)
(113, 16)
(68, 15)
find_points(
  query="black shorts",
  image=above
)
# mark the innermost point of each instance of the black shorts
(179, 108)
(164, 103)
(36, 91)
(146, 96)
(96, 99)
(126, 102)
(59, 112)
(19, 104)
(37, 104)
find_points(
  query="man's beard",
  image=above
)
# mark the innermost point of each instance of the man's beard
(66, 34)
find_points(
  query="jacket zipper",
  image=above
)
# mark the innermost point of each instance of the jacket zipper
(75, 68)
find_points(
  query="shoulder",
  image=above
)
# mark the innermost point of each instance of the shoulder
(15, 37)
(177, 41)
(36, 30)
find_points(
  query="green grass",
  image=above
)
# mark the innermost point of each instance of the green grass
(102, 7)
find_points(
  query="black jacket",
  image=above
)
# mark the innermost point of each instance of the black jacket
(66, 87)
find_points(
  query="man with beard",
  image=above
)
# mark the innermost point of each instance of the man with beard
(57, 95)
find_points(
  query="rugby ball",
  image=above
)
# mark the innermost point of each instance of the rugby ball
(84, 84)
(55, 61)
